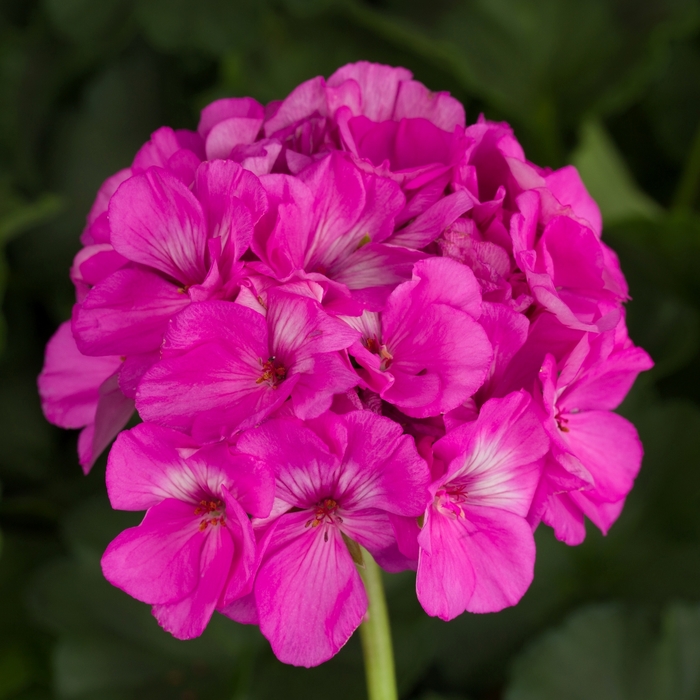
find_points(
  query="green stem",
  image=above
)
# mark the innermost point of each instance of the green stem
(375, 633)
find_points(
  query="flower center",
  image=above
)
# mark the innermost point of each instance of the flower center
(273, 372)
(448, 500)
(377, 348)
(561, 422)
(213, 512)
(325, 512)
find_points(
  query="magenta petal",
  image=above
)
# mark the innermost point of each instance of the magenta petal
(497, 456)
(300, 328)
(373, 530)
(214, 321)
(601, 513)
(482, 562)
(302, 462)
(144, 468)
(217, 184)
(565, 518)
(381, 466)
(243, 610)
(507, 332)
(227, 108)
(327, 374)
(439, 361)
(431, 223)
(188, 617)
(566, 185)
(445, 578)
(438, 281)
(303, 101)
(157, 221)
(373, 271)
(502, 553)
(104, 194)
(609, 447)
(158, 561)
(133, 368)
(113, 412)
(249, 482)
(415, 100)
(440, 354)
(309, 595)
(379, 85)
(606, 384)
(229, 133)
(69, 382)
(212, 387)
(244, 554)
(126, 314)
(92, 264)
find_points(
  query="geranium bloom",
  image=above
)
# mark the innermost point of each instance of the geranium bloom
(426, 353)
(330, 227)
(346, 318)
(477, 552)
(195, 549)
(338, 478)
(180, 248)
(226, 367)
(595, 454)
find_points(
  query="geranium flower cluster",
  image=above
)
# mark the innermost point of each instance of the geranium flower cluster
(345, 319)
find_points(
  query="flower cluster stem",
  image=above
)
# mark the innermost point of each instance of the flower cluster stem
(375, 633)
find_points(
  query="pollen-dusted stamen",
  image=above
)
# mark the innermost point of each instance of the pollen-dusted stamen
(273, 372)
(213, 512)
(561, 422)
(377, 348)
(448, 500)
(363, 241)
(325, 513)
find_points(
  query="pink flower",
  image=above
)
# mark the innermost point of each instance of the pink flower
(82, 392)
(533, 236)
(477, 552)
(339, 479)
(318, 306)
(181, 247)
(331, 223)
(596, 453)
(226, 367)
(195, 548)
(426, 353)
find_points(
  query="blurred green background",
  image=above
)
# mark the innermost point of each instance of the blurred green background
(610, 85)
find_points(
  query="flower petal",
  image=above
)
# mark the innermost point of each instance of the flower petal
(188, 617)
(158, 561)
(156, 220)
(309, 595)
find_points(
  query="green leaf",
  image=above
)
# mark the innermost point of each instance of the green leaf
(90, 666)
(20, 216)
(612, 652)
(678, 669)
(600, 653)
(673, 101)
(607, 178)
(212, 26)
(15, 671)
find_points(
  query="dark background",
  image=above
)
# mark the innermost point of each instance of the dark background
(610, 85)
